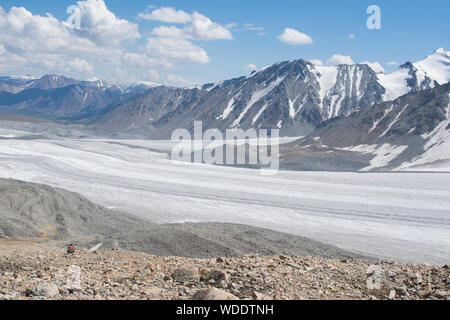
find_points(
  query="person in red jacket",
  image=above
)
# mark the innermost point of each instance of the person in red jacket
(70, 249)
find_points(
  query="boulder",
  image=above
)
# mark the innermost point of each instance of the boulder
(48, 290)
(213, 294)
(375, 277)
(185, 275)
(260, 296)
(215, 275)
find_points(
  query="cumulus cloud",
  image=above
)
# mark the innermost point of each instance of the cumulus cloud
(173, 79)
(351, 36)
(153, 74)
(337, 59)
(177, 49)
(250, 67)
(169, 32)
(198, 26)
(44, 44)
(79, 65)
(295, 37)
(24, 32)
(393, 63)
(140, 60)
(33, 42)
(316, 62)
(96, 40)
(202, 28)
(174, 43)
(167, 14)
(101, 26)
(375, 66)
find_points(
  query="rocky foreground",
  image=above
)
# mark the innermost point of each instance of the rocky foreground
(46, 272)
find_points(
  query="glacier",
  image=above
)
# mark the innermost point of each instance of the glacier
(397, 216)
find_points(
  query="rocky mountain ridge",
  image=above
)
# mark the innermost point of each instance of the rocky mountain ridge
(294, 96)
(409, 133)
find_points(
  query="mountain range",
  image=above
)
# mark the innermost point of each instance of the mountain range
(56, 97)
(350, 117)
(294, 96)
(409, 133)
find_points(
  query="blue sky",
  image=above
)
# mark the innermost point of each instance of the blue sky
(410, 31)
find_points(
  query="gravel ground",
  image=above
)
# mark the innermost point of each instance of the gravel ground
(44, 271)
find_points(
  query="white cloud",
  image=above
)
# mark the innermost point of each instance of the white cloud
(393, 63)
(153, 74)
(375, 66)
(232, 26)
(295, 37)
(101, 43)
(337, 59)
(24, 32)
(351, 36)
(140, 60)
(167, 14)
(169, 32)
(316, 62)
(79, 65)
(250, 67)
(43, 44)
(172, 43)
(101, 26)
(176, 49)
(253, 27)
(202, 28)
(173, 79)
(198, 26)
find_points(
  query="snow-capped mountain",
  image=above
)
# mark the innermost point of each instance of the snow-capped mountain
(409, 133)
(50, 81)
(139, 88)
(54, 96)
(18, 84)
(410, 77)
(294, 96)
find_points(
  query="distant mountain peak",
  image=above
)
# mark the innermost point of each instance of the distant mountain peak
(442, 51)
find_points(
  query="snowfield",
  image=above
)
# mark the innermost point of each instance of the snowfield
(399, 216)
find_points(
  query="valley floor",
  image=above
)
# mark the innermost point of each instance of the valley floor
(397, 216)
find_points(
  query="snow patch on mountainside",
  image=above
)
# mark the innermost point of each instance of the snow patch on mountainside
(437, 149)
(386, 113)
(358, 75)
(230, 107)
(291, 109)
(396, 84)
(258, 95)
(436, 66)
(383, 155)
(393, 122)
(260, 112)
(327, 77)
